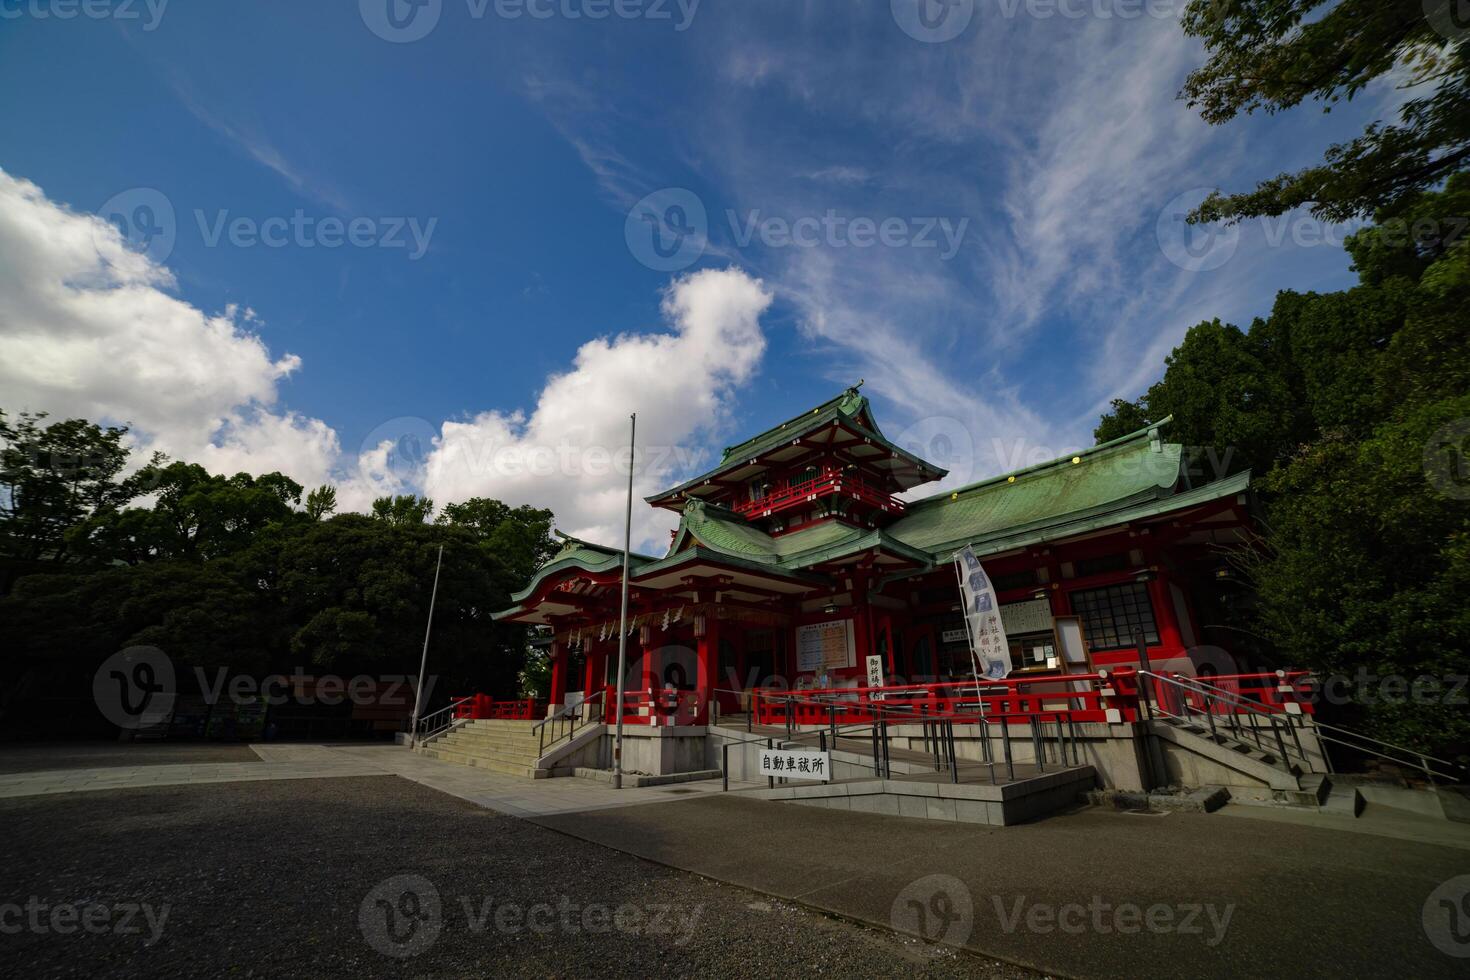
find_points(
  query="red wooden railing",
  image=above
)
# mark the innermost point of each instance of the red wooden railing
(784, 497)
(478, 706)
(1075, 697)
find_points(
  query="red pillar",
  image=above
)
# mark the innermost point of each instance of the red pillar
(558, 674)
(707, 659)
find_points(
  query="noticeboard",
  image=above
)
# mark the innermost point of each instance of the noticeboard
(824, 646)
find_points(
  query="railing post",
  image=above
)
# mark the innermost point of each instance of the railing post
(770, 780)
(887, 762)
(877, 761)
(1005, 741)
(832, 720)
(725, 767)
(954, 762)
(1036, 746)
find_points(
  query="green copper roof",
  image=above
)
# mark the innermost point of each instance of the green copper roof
(848, 407)
(849, 403)
(583, 555)
(1136, 467)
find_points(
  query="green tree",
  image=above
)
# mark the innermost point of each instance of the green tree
(1354, 411)
(520, 537)
(1272, 55)
(321, 503)
(54, 476)
(403, 509)
(195, 515)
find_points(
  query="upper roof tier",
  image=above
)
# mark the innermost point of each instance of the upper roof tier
(842, 426)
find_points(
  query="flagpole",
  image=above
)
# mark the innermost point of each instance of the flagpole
(418, 696)
(623, 616)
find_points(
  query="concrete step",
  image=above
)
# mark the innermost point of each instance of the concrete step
(503, 766)
(486, 738)
(489, 751)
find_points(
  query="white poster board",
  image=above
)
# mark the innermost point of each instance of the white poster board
(825, 646)
(1031, 616)
(796, 763)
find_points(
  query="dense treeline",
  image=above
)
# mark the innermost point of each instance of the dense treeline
(1353, 410)
(243, 572)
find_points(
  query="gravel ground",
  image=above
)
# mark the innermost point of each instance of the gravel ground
(97, 755)
(378, 876)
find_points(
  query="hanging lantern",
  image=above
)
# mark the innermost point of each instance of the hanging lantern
(645, 635)
(699, 626)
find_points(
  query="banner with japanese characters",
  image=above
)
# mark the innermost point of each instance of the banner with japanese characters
(988, 641)
(796, 763)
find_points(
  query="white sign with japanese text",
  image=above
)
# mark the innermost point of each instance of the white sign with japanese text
(796, 763)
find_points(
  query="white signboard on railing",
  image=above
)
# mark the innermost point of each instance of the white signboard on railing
(824, 646)
(796, 763)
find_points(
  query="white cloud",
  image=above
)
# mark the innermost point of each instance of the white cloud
(568, 453)
(88, 329)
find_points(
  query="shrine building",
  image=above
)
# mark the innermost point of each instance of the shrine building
(805, 552)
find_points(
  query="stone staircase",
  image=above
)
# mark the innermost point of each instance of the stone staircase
(508, 747)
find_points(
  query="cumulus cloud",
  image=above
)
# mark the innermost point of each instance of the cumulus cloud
(570, 452)
(89, 328)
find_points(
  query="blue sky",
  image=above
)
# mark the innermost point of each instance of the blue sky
(1024, 171)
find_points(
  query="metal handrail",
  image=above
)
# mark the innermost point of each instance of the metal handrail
(424, 729)
(1417, 760)
(1211, 696)
(568, 713)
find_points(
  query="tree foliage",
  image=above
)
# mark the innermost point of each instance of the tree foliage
(1273, 55)
(237, 572)
(1353, 409)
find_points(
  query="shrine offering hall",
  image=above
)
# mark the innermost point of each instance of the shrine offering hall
(796, 563)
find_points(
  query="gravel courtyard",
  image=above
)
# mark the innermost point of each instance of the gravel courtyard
(378, 876)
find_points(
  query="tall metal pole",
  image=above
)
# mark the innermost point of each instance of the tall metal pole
(623, 616)
(418, 694)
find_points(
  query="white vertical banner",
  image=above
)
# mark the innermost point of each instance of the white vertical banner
(988, 642)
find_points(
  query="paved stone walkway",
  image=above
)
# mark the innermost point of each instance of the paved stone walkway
(512, 795)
